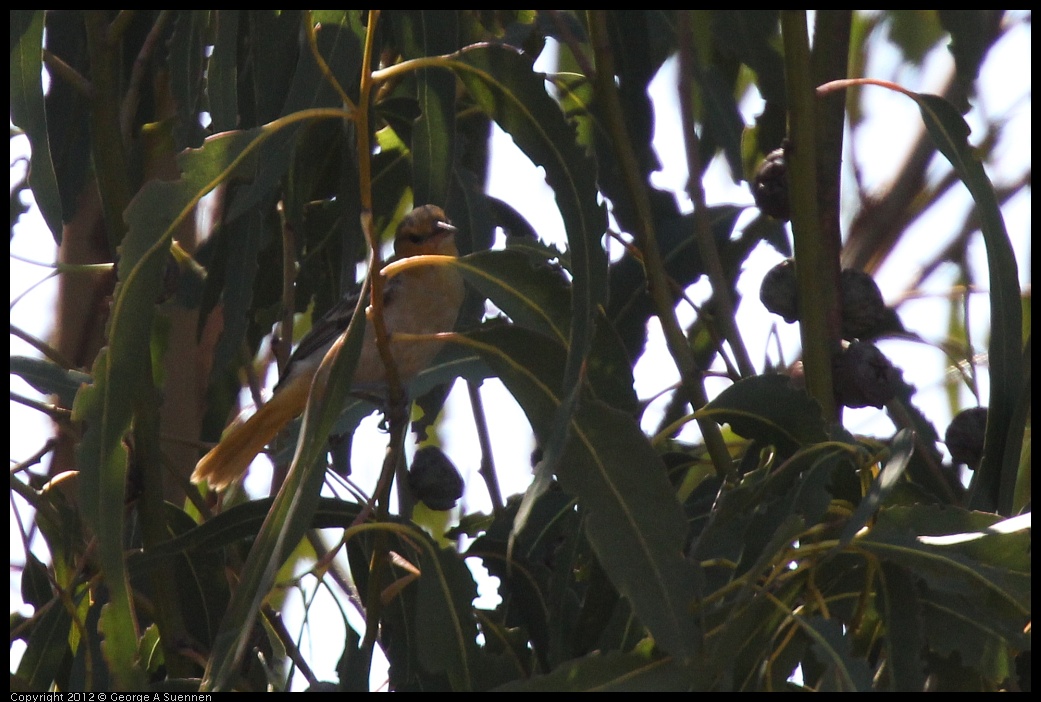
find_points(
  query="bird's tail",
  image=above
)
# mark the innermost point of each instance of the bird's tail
(241, 442)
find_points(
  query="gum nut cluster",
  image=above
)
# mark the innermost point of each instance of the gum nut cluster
(434, 479)
(770, 186)
(777, 292)
(965, 434)
(863, 376)
(863, 309)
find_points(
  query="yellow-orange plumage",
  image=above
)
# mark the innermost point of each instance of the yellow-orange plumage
(420, 300)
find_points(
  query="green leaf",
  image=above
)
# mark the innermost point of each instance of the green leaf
(629, 306)
(293, 508)
(46, 648)
(241, 522)
(723, 123)
(27, 112)
(503, 83)
(119, 370)
(431, 33)
(633, 520)
(842, 672)
(232, 276)
(768, 408)
(976, 570)
(902, 614)
(446, 632)
(537, 298)
(993, 485)
(187, 54)
(973, 32)
(49, 378)
(901, 452)
(222, 72)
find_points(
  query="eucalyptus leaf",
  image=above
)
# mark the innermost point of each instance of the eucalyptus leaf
(768, 408)
(633, 520)
(27, 112)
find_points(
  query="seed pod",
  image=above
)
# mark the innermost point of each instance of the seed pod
(863, 376)
(863, 309)
(778, 292)
(770, 186)
(434, 479)
(965, 434)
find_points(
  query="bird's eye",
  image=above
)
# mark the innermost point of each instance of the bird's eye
(416, 238)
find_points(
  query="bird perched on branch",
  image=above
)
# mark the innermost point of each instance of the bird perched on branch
(419, 300)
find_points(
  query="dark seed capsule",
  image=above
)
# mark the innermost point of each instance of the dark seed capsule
(863, 309)
(778, 293)
(770, 186)
(964, 437)
(863, 376)
(434, 479)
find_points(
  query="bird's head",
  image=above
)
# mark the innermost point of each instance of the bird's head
(425, 230)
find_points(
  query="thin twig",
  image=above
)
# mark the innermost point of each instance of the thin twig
(487, 469)
(696, 191)
(137, 73)
(657, 282)
(42, 346)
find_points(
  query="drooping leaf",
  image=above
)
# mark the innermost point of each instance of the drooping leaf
(27, 112)
(431, 33)
(976, 575)
(902, 614)
(973, 32)
(293, 509)
(630, 306)
(49, 378)
(536, 298)
(633, 520)
(187, 51)
(842, 671)
(107, 405)
(994, 483)
(46, 648)
(901, 452)
(222, 72)
(504, 85)
(768, 408)
(446, 632)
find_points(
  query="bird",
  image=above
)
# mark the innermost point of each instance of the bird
(419, 300)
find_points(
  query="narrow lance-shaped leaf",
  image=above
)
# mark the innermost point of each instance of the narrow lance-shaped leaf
(901, 612)
(635, 671)
(632, 517)
(27, 112)
(768, 408)
(107, 405)
(294, 506)
(430, 33)
(503, 83)
(902, 450)
(842, 672)
(994, 482)
(446, 632)
(535, 298)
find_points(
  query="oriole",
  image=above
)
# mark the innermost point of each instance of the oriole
(420, 300)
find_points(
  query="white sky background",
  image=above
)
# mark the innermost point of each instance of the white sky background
(1006, 82)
